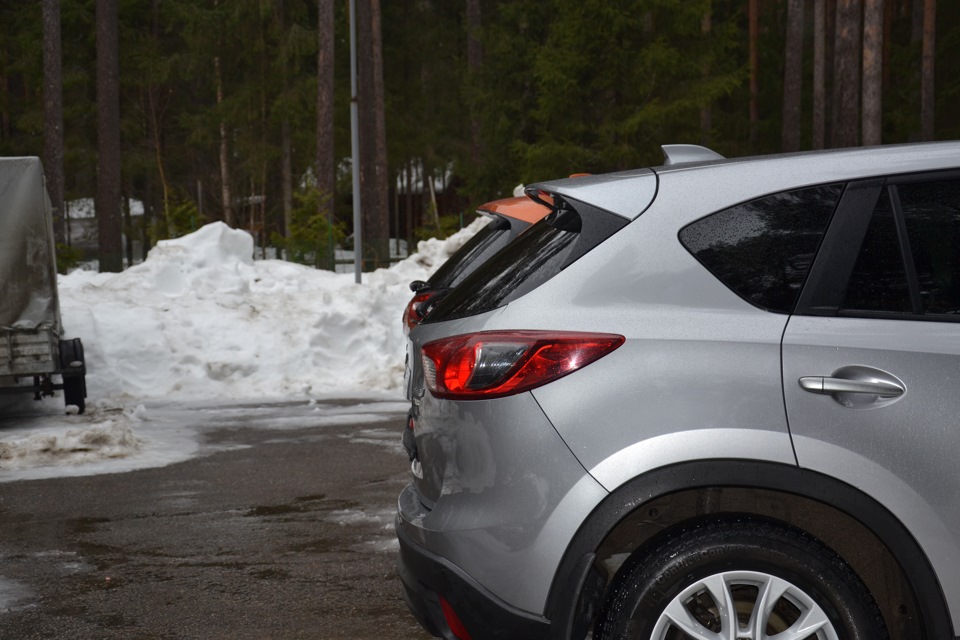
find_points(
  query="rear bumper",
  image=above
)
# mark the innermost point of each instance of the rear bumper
(426, 578)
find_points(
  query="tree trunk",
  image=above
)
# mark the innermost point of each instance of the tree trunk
(819, 76)
(149, 215)
(128, 230)
(916, 21)
(474, 64)
(108, 137)
(373, 144)
(889, 15)
(706, 113)
(226, 188)
(792, 76)
(155, 126)
(754, 26)
(927, 69)
(326, 176)
(846, 77)
(4, 92)
(412, 220)
(286, 169)
(832, 104)
(53, 114)
(434, 210)
(871, 117)
(155, 113)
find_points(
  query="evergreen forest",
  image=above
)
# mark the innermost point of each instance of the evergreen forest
(239, 110)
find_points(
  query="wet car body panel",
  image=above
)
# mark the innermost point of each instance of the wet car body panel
(699, 378)
(471, 504)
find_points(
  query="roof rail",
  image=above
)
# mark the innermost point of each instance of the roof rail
(680, 153)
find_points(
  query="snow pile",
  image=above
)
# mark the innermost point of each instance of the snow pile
(107, 439)
(201, 319)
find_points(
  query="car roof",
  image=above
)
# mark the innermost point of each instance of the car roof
(847, 163)
(521, 208)
(628, 193)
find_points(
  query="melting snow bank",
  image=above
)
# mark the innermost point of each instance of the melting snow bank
(201, 319)
(199, 328)
(110, 439)
(42, 442)
(39, 442)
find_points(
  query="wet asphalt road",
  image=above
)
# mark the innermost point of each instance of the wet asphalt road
(287, 535)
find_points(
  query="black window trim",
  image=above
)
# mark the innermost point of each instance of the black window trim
(906, 253)
(826, 283)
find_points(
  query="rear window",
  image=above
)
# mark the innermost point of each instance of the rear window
(763, 249)
(531, 259)
(484, 243)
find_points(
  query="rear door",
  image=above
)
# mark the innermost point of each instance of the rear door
(871, 360)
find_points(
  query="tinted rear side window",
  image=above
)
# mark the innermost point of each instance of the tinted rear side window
(763, 249)
(931, 211)
(532, 258)
(909, 262)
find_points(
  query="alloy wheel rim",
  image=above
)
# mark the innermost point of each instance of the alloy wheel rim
(743, 605)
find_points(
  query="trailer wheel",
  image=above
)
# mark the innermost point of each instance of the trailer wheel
(75, 392)
(74, 376)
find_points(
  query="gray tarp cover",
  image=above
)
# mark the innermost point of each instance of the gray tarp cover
(28, 274)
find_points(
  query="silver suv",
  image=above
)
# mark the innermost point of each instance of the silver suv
(717, 399)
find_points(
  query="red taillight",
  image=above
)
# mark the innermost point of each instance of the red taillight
(411, 317)
(500, 363)
(453, 620)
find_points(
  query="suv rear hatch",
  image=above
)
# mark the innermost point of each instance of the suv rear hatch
(572, 229)
(508, 219)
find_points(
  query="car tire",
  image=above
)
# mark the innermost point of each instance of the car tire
(696, 578)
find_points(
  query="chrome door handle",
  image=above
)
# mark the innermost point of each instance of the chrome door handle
(826, 386)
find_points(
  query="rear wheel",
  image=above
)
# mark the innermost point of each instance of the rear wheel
(741, 580)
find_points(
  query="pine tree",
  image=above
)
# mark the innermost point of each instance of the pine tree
(927, 69)
(108, 137)
(846, 77)
(53, 114)
(872, 71)
(792, 76)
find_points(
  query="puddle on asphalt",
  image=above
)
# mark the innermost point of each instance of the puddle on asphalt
(14, 596)
(86, 525)
(315, 545)
(388, 438)
(381, 545)
(69, 561)
(382, 517)
(305, 504)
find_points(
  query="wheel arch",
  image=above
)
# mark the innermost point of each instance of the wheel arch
(871, 539)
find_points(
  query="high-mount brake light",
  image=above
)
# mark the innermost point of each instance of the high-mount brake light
(494, 364)
(411, 316)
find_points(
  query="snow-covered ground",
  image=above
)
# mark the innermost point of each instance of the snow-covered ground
(175, 344)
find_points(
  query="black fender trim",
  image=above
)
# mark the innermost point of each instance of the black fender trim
(567, 587)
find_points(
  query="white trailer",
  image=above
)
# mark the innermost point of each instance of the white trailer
(34, 357)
